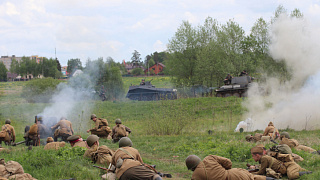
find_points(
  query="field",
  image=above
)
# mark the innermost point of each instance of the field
(164, 132)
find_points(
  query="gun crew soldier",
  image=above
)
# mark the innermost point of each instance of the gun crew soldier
(76, 141)
(7, 133)
(64, 131)
(129, 164)
(37, 131)
(101, 128)
(98, 154)
(53, 145)
(215, 167)
(119, 131)
(292, 143)
(289, 167)
(271, 131)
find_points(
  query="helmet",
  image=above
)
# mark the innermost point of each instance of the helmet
(49, 139)
(92, 139)
(192, 161)
(8, 121)
(248, 137)
(118, 121)
(125, 141)
(285, 134)
(93, 116)
(39, 118)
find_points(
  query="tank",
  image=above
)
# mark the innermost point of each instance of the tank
(148, 92)
(238, 87)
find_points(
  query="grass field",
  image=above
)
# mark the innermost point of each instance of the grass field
(164, 132)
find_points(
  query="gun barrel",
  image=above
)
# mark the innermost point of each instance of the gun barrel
(100, 167)
(19, 143)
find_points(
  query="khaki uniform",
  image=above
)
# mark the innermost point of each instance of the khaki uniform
(54, 145)
(37, 132)
(80, 144)
(10, 134)
(215, 167)
(131, 168)
(115, 136)
(99, 154)
(290, 168)
(13, 170)
(101, 128)
(271, 131)
(65, 129)
(257, 137)
(292, 143)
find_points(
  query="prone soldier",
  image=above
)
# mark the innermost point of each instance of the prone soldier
(76, 141)
(53, 145)
(292, 143)
(98, 154)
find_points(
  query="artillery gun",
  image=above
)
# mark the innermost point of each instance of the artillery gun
(148, 92)
(238, 87)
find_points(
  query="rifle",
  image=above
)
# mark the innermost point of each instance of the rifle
(273, 141)
(253, 170)
(152, 167)
(14, 144)
(100, 167)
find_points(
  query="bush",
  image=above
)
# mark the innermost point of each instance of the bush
(39, 90)
(137, 71)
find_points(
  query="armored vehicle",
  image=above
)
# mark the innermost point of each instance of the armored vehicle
(148, 92)
(238, 87)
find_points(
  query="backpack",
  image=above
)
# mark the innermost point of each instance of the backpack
(33, 129)
(104, 122)
(284, 149)
(121, 131)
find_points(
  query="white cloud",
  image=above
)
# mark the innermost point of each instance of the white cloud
(11, 9)
(159, 46)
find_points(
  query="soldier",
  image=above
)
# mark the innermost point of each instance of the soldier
(13, 170)
(129, 164)
(119, 131)
(289, 167)
(37, 131)
(64, 131)
(98, 154)
(292, 143)
(143, 82)
(53, 145)
(227, 80)
(101, 127)
(7, 133)
(215, 167)
(255, 138)
(76, 140)
(271, 131)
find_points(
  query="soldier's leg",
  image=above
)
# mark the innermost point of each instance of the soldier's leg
(293, 170)
(305, 148)
(140, 173)
(99, 133)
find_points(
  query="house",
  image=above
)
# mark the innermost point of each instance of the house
(156, 68)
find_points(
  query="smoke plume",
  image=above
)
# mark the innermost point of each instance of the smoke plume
(292, 104)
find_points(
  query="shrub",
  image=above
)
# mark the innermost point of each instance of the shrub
(39, 90)
(137, 71)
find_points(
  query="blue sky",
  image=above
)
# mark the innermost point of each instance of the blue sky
(115, 28)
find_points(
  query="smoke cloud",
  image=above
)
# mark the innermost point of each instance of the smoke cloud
(292, 104)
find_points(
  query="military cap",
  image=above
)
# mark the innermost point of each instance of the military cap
(8, 121)
(257, 150)
(93, 116)
(49, 139)
(73, 137)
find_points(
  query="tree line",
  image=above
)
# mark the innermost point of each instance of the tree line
(205, 54)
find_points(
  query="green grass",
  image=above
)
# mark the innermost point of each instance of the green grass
(164, 132)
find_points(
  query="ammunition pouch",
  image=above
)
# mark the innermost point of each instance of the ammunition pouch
(119, 163)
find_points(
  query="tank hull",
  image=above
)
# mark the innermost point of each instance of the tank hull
(150, 93)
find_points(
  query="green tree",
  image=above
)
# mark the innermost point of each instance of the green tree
(135, 59)
(3, 72)
(15, 66)
(74, 64)
(296, 13)
(137, 71)
(58, 65)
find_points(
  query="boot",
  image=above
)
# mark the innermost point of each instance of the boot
(304, 172)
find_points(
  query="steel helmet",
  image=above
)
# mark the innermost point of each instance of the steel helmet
(93, 116)
(125, 141)
(192, 161)
(118, 121)
(8, 121)
(285, 134)
(92, 139)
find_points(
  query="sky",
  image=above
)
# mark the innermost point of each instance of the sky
(81, 29)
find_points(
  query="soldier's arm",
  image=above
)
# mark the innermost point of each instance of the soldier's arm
(13, 135)
(71, 128)
(138, 157)
(128, 129)
(56, 126)
(266, 131)
(263, 167)
(224, 162)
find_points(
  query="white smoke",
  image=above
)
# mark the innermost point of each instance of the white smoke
(295, 103)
